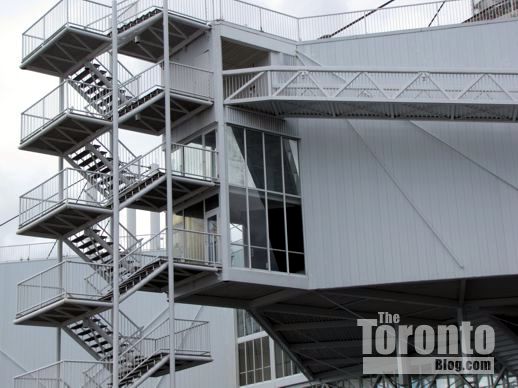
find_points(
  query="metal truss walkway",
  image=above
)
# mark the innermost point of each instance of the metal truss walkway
(310, 91)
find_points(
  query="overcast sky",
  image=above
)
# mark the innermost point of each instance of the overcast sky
(21, 171)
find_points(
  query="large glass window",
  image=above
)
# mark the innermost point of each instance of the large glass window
(265, 205)
(254, 361)
(284, 366)
(246, 324)
(257, 353)
(236, 156)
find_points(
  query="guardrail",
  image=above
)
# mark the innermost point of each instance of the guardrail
(189, 246)
(192, 338)
(69, 186)
(65, 374)
(187, 80)
(64, 98)
(355, 84)
(187, 161)
(85, 14)
(96, 17)
(66, 279)
(35, 251)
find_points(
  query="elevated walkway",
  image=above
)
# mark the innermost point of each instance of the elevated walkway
(332, 92)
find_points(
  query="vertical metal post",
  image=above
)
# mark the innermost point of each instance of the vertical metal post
(59, 244)
(219, 112)
(115, 190)
(169, 186)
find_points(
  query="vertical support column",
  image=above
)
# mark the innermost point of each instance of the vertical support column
(131, 217)
(116, 199)
(154, 223)
(59, 243)
(169, 185)
(219, 113)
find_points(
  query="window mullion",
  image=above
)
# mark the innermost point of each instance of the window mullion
(284, 207)
(247, 201)
(266, 204)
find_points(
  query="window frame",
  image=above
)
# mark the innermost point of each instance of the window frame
(284, 195)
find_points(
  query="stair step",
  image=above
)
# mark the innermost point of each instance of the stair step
(81, 155)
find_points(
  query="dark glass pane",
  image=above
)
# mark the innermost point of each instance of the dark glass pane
(250, 362)
(257, 209)
(211, 203)
(259, 258)
(254, 155)
(296, 263)
(278, 261)
(294, 225)
(238, 219)
(266, 358)
(258, 361)
(242, 358)
(236, 156)
(239, 256)
(240, 323)
(291, 166)
(210, 140)
(197, 141)
(276, 224)
(279, 370)
(273, 159)
(194, 217)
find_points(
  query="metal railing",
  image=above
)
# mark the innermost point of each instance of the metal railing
(67, 97)
(189, 81)
(65, 374)
(66, 279)
(129, 331)
(187, 161)
(192, 247)
(356, 84)
(69, 186)
(192, 338)
(84, 14)
(200, 10)
(35, 251)
(95, 17)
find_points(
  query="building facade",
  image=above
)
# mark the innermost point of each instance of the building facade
(311, 171)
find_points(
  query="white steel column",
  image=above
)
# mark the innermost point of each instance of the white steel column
(59, 242)
(115, 191)
(219, 112)
(169, 184)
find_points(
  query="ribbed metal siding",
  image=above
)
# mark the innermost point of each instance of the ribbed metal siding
(388, 202)
(488, 46)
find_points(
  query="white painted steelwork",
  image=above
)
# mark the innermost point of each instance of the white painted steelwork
(385, 94)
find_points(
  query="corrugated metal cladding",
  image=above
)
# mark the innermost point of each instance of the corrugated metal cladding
(25, 348)
(476, 46)
(393, 201)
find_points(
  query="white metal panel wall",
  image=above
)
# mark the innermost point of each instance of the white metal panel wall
(476, 46)
(386, 201)
(195, 54)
